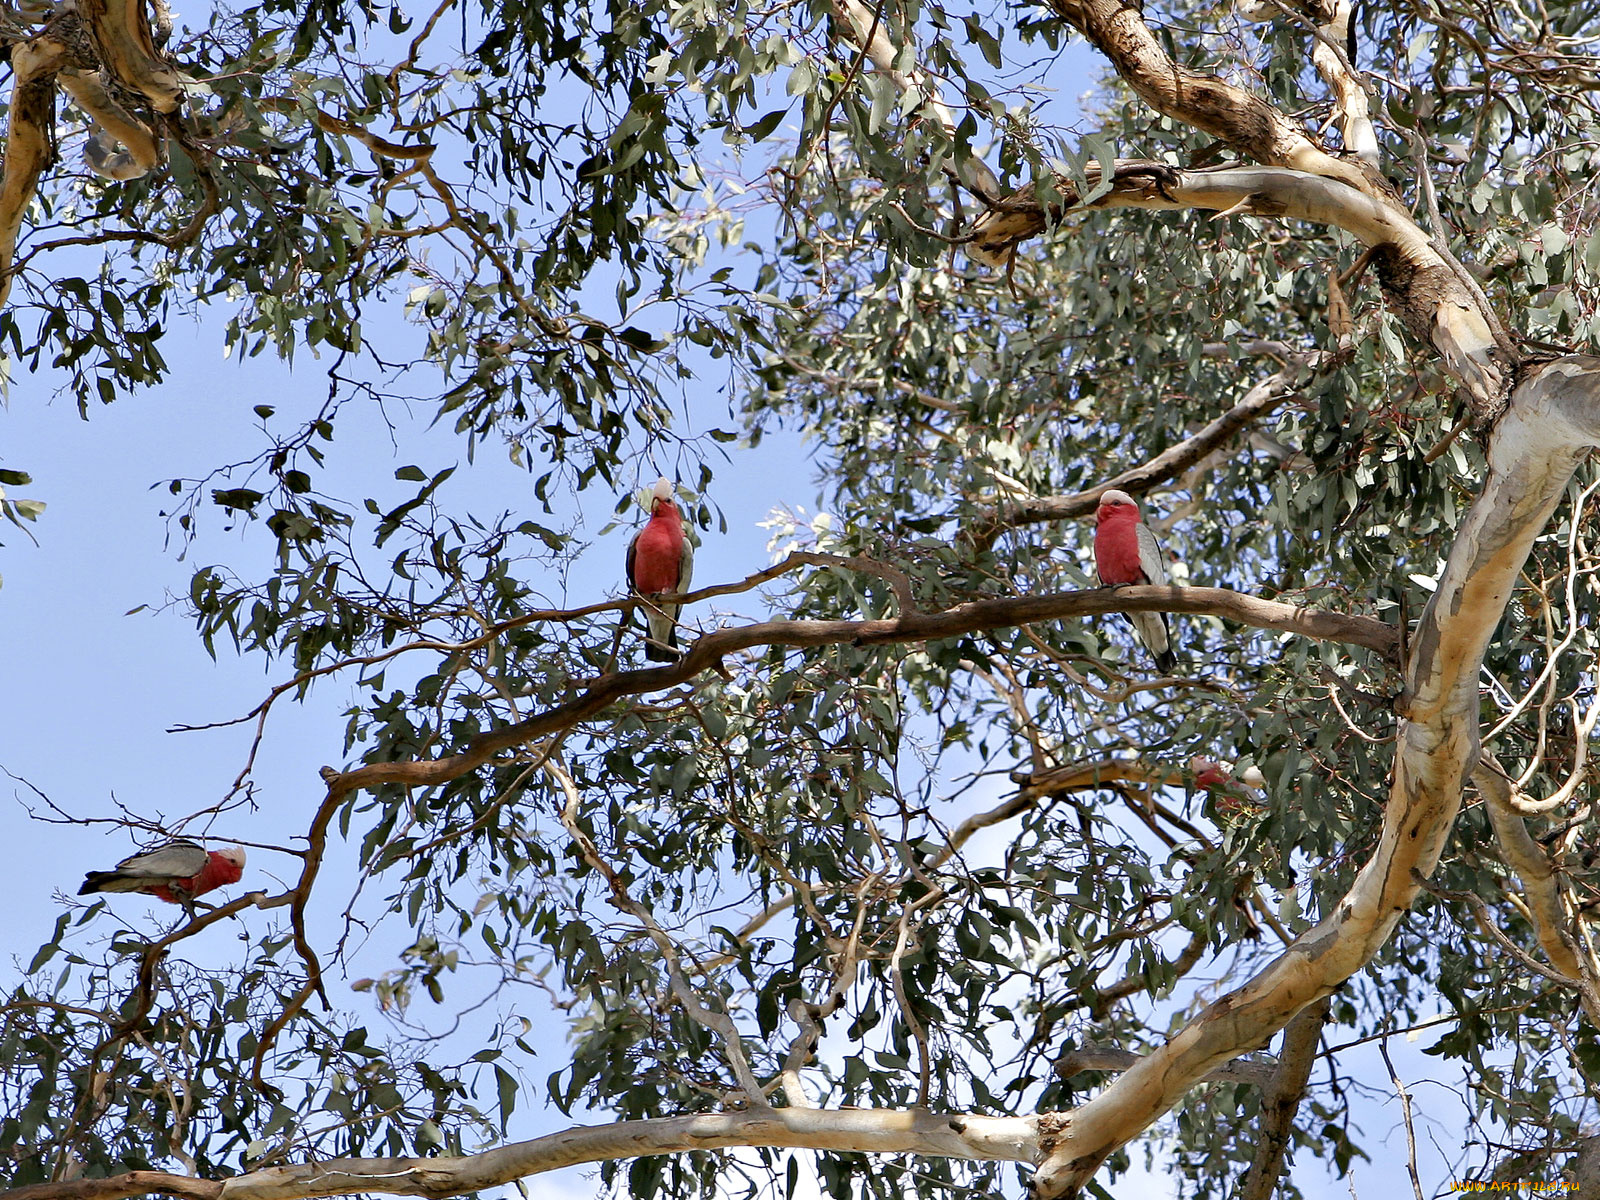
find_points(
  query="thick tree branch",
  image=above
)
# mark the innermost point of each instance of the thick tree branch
(1246, 122)
(1553, 421)
(1281, 1100)
(873, 1131)
(1258, 1072)
(862, 1130)
(142, 152)
(30, 145)
(1331, 34)
(1541, 887)
(120, 31)
(1423, 285)
(119, 1187)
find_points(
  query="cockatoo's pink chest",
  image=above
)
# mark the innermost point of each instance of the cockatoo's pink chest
(219, 870)
(658, 554)
(1116, 547)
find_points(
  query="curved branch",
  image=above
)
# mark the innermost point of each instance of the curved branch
(859, 1130)
(1532, 866)
(1553, 421)
(1242, 120)
(1422, 284)
(120, 30)
(141, 151)
(873, 1131)
(1257, 1072)
(708, 652)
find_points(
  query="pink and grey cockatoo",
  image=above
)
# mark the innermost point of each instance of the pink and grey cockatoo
(660, 561)
(1125, 552)
(1227, 789)
(1213, 775)
(176, 872)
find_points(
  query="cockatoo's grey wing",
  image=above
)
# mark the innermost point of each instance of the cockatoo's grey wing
(1151, 559)
(176, 860)
(685, 565)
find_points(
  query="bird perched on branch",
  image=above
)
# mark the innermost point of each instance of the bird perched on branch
(1126, 552)
(660, 562)
(176, 872)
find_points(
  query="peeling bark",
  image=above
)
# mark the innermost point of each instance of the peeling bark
(120, 30)
(103, 52)
(1242, 120)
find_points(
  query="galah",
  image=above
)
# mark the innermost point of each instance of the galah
(176, 872)
(1209, 774)
(660, 561)
(1228, 789)
(1125, 551)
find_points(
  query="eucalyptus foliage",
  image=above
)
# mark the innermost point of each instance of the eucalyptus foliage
(583, 214)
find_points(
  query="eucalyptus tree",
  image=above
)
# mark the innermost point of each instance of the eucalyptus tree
(912, 857)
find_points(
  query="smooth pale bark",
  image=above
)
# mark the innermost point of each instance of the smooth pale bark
(885, 1131)
(1541, 887)
(1553, 421)
(947, 1135)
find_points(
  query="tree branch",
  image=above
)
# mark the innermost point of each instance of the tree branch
(1423, 286)
(1281, 1100)
(30, 144)
(120, 31)
(1242, 120)
(1258, 1072)
(119, 1187)
(872, 1131)
(1540, 885)
(709, 651)
(865, 27)
(858, 1130)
